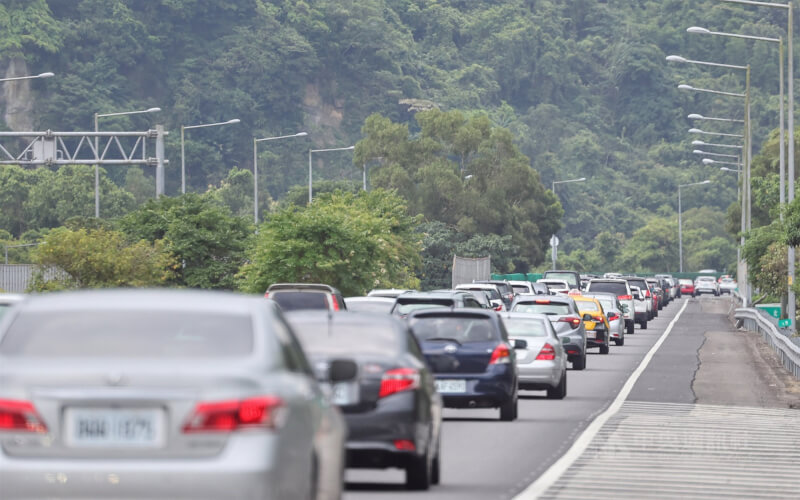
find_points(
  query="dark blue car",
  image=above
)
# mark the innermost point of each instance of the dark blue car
(471, 357)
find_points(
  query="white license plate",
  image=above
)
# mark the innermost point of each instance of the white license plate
(343, 393)
(590, 334)
(451, 386)
(115, 427)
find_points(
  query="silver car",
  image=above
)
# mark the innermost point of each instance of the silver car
(614, 314)
(161, 394)
(7, 300)
(542, 363)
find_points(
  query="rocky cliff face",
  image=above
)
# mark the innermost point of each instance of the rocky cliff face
(17, 98)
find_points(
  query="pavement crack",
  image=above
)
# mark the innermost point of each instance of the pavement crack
(699, 365)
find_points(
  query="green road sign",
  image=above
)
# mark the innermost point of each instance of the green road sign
(784, 323)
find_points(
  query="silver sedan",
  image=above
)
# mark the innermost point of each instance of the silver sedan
(542, 363)
(613, 309)
(161, 394)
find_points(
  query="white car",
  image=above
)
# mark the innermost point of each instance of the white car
(640, 306)
(555, 286)
(706, 284)
(728, 285)
(495, 299)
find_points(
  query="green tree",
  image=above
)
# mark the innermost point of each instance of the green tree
(97, 258)
(204, 236)
(354, 242)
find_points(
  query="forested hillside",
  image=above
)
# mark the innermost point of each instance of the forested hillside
(582, 85)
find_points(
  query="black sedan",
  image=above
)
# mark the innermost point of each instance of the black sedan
(392, 409)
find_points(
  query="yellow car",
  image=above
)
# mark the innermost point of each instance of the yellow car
(594, 322)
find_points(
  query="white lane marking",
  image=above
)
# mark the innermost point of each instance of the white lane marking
(551, 475)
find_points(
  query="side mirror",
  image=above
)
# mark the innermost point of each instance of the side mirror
(587, 317)
(342, 370)
(519, 344)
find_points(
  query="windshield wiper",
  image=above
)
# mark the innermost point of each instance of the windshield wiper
(442, 339)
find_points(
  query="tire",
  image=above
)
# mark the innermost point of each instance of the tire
(436, 466)
(418, 473)
(508, 411)
(604, 349)
(631, 328)
(694, 295)
(716, 294)
(579, 363)
(619, 341)
(559, 391)
(643, 324)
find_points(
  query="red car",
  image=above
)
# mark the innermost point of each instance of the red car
(687, 286)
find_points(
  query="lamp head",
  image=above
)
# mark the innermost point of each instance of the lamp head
(699, 30)
(698, 152)
(698, 143)
(695, 116)
(706, 182)
(685, 87)
(152, 110)
(707, 161)
(47, 74)
(695, 131)
(676, 59)
(231, 122)
(301, 134)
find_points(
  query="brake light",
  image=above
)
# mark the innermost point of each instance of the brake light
(542, 301)
(499, 308)
(404, 445)
(398, 380)
(20, 416)
(612, 316)
(647, 294)
(501, 355)
(266, 295)
(625, 297)
(598, 318)
(335, 303)
(547, 353)
(265, 412)
(572, 320)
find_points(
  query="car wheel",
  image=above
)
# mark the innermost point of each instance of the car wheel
(436, 467)
(418, 472)
(508, 410)
(619, 341)
(716, 294)
(694, 295)
(604, 349)
(644, 325)
(631, 328)
(559, 391)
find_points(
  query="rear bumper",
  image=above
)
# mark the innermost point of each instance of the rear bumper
(246, 468)
(483, 391)
(601, 338)
(540, 375)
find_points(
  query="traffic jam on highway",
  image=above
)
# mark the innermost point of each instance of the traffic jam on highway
(198, 394)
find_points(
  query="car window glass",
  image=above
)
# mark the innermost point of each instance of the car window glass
(406, 306)
(568, 277)
(129, 334)
(341, 337)
(557, 309)
(295, 300)
(609, 287)
(462, 329)
(291, 349)
(522, 327)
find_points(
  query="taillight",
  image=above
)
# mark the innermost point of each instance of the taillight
(625, 297)
(501, 355)
(612, 316)
(547, 353)
(647, 294)
(598, 318)
(572, 320)
(266, 295)
(20, 416)
(404, 445)
(335, 303)
(264, 412)
(542, 301)
(398, 380)
(499, 308)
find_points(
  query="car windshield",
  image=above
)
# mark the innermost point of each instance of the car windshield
(342, 337)
(524, 327)
(550, 308)
(568, 277)
(128, 334)
(608, 286)
(607, 304)
(407, 306)
(296, 300)
(493, 293)
(521, 288)
(462, 329)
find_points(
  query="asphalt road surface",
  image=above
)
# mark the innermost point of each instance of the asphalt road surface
(483, 458)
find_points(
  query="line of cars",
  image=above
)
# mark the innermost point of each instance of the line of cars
(176, 394)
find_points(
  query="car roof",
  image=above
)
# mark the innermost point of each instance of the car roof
(144, 299)
(385, 300)
(11, 298)
(436, 294)
(313, 287)
(349, 317)
(446, 311)
(530, 297)
(482, 286)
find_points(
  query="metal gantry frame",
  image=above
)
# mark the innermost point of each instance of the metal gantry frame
(50, 148)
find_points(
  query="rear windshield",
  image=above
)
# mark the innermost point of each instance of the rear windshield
(343, 338)
(685, 282)
(608, 287)
(293, 301)
(568, 277)
(462, 329)
(128, 334)
(585, 305)
(406, 306)
(519, 327)
(374, 306)
(607, 303)
(521, 288)
(555, 286)
(553, 309)
(493, 293)
(642, 284)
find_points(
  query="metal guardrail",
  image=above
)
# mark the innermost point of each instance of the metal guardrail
(788, 351)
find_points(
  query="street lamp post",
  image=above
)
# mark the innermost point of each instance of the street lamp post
(97, 152)
(680, 222)
(255, 167)
(554, 247)
(310, 178)
(27, 77)
(790, 77)
(183, 128)
(365, 168)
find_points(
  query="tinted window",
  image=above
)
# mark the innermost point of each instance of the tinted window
(292, 301)
(128, 334)
(558, 309)
(568, 277)
(370, 306)
(459, 328)
(585, 305)
(608, 287)
(642, 284)
(519, 327)
(342, 338)
(607, 303)
(406, 306)
(521, 288)
(493, 293)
